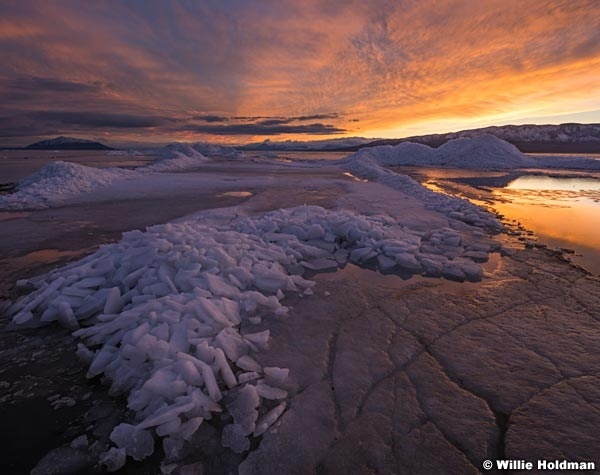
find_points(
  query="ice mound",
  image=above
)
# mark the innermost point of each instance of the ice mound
(56, 181)
(166, 315)
(212, 150)
(370, 166)
(482, 152)
(59, 180)
(176, 157)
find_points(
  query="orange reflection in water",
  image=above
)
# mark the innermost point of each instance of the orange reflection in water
(565, 209)
(49, 256)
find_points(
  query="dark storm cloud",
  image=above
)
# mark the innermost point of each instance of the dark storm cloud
(211, 118)
(286, 120)
(101, 120)
(262, 128)
(316, 117)
(33, 84)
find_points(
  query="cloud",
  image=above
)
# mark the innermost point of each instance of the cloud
(100, 120)
(265, 128)
(211, 118)
(32, 84)
(280, 66)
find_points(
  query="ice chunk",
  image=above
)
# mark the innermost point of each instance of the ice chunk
(234, 437)
(101, 360)
(245, 377)
(408, 262)
(113, 301)
(230, 341)
(243, 409)
(269, 392)
(66, 318)
(248, 363)
(385, 263)
(113, 459)
(165, 414)
(79, 443)
(473, 272)
(320, 264)
(169, 428)
(269, 419)
(275, 376)
(219, 286)
(224, 368)
(259, 340)
(190, 427)
(188, 370)
(453, 271)
(138, 444)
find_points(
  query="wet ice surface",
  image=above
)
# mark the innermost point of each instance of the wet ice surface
(561, 209)
(426, 376)
(386, 373)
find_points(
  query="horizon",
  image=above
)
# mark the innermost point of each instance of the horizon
(142, 145)
(243, 72)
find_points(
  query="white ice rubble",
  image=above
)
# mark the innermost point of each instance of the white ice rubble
(166, 315)
(371, 166)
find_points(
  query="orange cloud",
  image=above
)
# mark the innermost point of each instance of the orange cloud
(398, 67)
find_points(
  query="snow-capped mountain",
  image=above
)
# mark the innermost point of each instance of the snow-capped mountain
(584, 138)
(67, 143)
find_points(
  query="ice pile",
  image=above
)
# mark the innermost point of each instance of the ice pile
(482, 152)
(56, 181)
(369, 166)
(222, 151)
(175, 157)
(166, 315)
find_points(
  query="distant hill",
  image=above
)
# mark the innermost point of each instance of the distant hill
(67, 143)
(563, 138)
(312, 145)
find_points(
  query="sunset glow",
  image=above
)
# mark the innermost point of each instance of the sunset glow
(239, 71)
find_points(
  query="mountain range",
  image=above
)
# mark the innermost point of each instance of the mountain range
(563, 138)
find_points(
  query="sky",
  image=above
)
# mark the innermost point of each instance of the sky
(238, 71)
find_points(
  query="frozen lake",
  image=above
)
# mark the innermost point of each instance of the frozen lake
(353, 355)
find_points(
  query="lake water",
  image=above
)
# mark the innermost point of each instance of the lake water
(563, 212)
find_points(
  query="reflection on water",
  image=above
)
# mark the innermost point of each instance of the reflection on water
(49, 255)
(563, 212)
(354, 177)
(236, 194)
(550, 183)
(6, 215)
